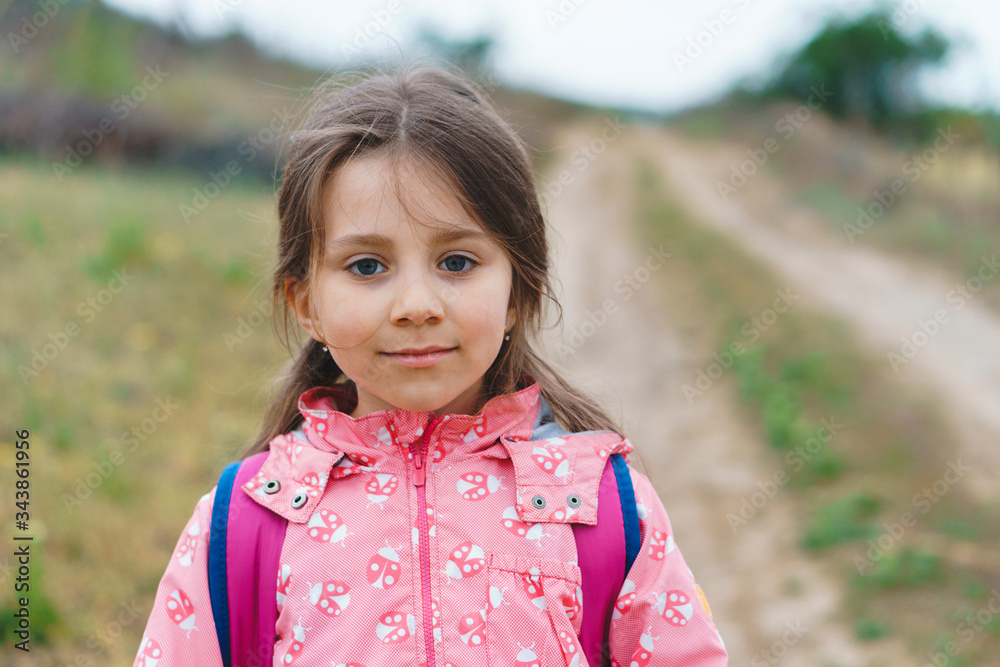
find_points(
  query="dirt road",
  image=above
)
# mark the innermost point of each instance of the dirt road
(701, 459)
(943, 339)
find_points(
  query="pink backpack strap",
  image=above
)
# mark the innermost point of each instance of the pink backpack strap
(255, 535)
(605, 553)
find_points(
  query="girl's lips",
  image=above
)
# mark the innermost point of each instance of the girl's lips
(420, 360)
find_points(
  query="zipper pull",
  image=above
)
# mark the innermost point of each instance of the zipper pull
(418, 461)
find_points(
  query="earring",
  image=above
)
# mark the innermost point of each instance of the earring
(507, 337)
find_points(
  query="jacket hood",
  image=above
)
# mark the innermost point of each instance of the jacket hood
(549, 462)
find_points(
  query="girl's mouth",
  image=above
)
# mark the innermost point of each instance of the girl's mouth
(420, 360)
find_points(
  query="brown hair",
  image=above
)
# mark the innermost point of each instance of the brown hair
(439, 117)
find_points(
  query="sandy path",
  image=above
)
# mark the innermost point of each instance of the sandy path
(703, 461)
(884, 299)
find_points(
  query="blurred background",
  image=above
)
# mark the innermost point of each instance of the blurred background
(775, 227)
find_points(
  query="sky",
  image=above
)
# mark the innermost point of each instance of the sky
(655, 56)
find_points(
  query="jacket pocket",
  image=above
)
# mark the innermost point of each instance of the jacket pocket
(534, 612)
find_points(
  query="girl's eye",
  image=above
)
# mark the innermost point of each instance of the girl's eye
(456, 264)
(365, 264)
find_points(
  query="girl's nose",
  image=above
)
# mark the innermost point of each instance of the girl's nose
(420, 298)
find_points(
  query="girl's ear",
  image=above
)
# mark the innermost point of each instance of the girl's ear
(511, 318)
(299, 305)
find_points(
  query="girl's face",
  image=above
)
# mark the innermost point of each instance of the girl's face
(388, 284)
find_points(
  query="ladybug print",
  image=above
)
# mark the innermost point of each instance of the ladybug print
(571, 604)
(625, 599)
(296, 645)
(675, 607)
(526, 657)
(380, 486)
(531, 583)
(149, 653)
(383, 567)
(325, 526)
(186, 551)
(465, 560)
(495, 598)
(644, 651)
(476, 485)
(258, 480)
(472, 628)
(529, 531)
(395, 626)
(314, 482)
(284, 580)
(569, 646)
(435, 621)
(660, 544)
(551, 460)
(181, 611)
(330, 597)
(345, 467)
(477, 431)
(385, 438)
(293, 448)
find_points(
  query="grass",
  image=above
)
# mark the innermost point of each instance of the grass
(90, 399)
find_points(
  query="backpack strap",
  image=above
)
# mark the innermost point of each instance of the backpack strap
(245, 613)
(605, 551)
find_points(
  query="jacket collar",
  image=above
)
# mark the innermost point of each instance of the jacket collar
(368, 439)
(517, 426)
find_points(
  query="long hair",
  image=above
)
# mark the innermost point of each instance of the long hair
(440, 118)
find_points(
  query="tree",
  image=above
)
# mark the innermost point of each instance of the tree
(867, 65)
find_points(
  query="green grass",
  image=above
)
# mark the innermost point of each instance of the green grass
(845, 520)
(161, 336)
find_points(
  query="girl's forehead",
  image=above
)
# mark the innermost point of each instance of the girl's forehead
(370, 195)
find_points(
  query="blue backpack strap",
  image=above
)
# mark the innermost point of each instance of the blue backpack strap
(217, 584)
(630, 511)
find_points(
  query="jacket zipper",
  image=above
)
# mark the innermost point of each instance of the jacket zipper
(419, 461)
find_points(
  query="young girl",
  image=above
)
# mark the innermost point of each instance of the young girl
(425, 525)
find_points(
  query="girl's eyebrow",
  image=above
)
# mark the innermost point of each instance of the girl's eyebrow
(379, 241)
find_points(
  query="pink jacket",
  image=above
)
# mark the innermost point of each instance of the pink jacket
(403, 550)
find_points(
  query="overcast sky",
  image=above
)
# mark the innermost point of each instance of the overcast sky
(622, 53)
